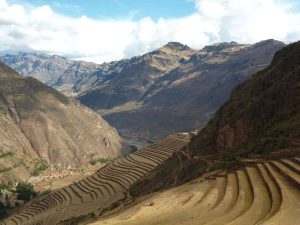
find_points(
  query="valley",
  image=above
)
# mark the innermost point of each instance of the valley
(161, 112)
(172, 83)
(242, 167)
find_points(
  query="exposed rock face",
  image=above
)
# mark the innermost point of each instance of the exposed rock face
(172, 89)
(40, 123)
(262, 114)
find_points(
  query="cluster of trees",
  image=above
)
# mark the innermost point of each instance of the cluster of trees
(24, 190)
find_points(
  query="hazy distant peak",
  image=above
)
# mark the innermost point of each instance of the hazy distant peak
(176, 46)
(269, 42)
(222, 46)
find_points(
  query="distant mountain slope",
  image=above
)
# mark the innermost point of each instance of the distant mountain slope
(172, 89)
(49, 68)
(175, 88)
(39, 123)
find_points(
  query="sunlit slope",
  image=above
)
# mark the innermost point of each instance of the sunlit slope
(265, 192)
(99, 192)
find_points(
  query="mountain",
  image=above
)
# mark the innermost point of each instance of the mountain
(172, 89)
(38, 123)
(259, 122)
(242, 168)
(175, 88)
(262, 114)
(48, 68)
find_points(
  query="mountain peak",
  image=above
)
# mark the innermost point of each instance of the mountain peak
(176, 46)
(270, 42)
(221, 46)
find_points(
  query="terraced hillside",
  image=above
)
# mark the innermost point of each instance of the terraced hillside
(99, 192)
(264, 192)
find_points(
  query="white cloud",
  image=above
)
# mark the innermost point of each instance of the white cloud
(42, 29)
(251, 20)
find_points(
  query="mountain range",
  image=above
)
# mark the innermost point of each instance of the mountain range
(241, 168)
(172, 89)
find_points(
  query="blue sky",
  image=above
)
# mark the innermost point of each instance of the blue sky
(135, 9)
(107, 30)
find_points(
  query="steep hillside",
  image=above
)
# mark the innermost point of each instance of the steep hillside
(175, 88)
(39, 123)
(262, 114)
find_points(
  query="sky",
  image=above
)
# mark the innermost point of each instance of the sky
(108, 30)
(119, 9)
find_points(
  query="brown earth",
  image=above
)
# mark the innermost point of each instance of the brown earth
(99, 193)
(37, 123)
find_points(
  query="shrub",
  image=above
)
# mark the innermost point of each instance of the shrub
(25, 191)
(227, 161)
(3, 211)
(133, 148)
(100, 160)
(6, 154)
(4, 170)
(6, 186)
(39, 167)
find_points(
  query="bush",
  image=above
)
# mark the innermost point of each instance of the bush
(228, 161)
(3, 211)
(6, 186)
(133, 148)
(4, 170)
(25, 191)
(100, 160)
(39, 167)
(6, 155)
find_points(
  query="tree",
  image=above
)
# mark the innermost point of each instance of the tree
(3, 211)
(25, 191)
